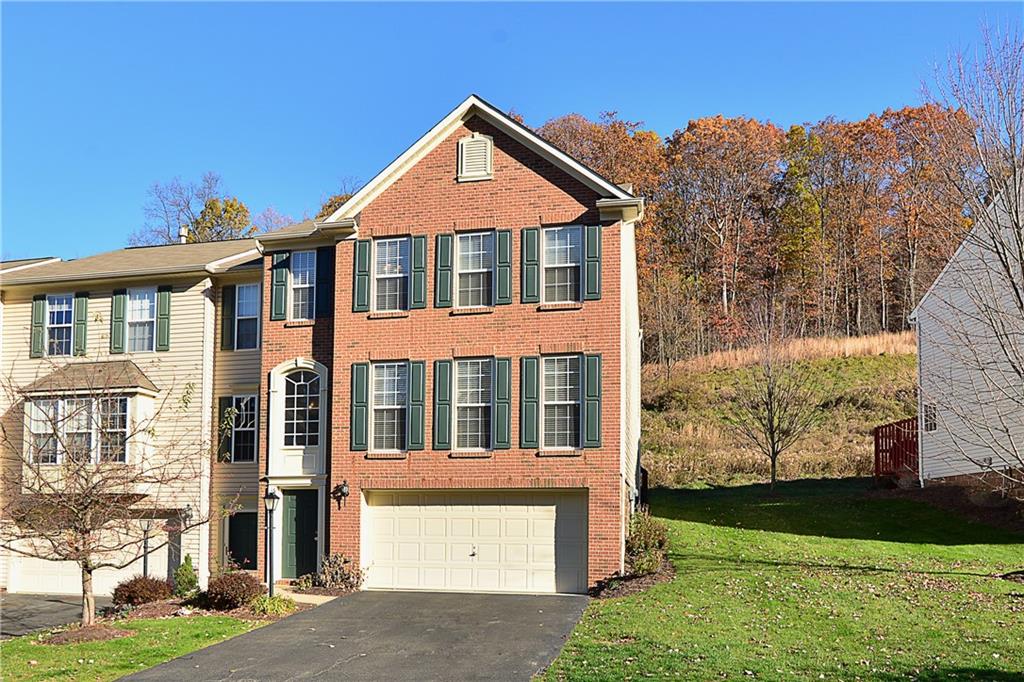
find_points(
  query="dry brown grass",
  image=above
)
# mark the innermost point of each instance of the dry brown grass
(900, 343)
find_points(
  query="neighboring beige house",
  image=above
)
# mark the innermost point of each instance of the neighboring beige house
(148, 318)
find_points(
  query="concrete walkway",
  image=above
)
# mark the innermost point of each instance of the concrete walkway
(394, 636)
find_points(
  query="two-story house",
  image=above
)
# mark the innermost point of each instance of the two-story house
(439, 381)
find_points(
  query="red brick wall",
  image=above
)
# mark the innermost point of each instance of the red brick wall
(526, 191)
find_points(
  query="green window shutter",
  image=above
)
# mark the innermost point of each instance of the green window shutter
(163, 318)
(530, 284)
(442, 404)
(501, 423)
(529, 402)
(415, 414)
(443, 271)
(418, 281)
(227, 317)
(591, 401)
(360, 405)
(325, 281)
(503, 287)
(81, 314)
(279, 285)
(592, 263)
(224, 404)
(37, 347)
(118, 304)
(361, 277)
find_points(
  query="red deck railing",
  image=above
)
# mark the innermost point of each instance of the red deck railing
(896, 448)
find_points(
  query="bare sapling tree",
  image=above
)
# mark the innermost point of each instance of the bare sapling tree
(98, 467)
(779, 403)
(972, 323)
(196, 211)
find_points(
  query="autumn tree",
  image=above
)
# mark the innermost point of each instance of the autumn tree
(201, 211)
(83, 475)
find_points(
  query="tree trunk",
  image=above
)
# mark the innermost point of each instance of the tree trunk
(774, 471)
(88, 599)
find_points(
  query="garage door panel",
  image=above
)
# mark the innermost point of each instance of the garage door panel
(492, 541)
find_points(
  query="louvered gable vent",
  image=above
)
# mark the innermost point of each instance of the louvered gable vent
(475, 154)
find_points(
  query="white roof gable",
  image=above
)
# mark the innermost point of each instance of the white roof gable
(474, 106)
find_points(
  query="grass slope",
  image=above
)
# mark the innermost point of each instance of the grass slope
(154, 641)
(686, 439)
(821, 581)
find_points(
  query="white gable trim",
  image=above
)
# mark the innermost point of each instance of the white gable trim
(471, 106)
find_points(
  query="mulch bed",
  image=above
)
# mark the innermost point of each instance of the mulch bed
(324, 591)
(976, 505)
(627, 585)
(100, 632)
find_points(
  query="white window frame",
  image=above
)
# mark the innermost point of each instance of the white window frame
(318, 396)
(292, 286)
(254, 429)
(70, 325)
(64, 420)
(407, 276)
(929, 418)
(128, 320)
(259, 302)
(544, 403)
(455, 403)
(488, 174)
(544, 266)
(459, 271)
(374, 407)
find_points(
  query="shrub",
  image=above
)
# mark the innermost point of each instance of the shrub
(271, 606)
(646, 543)
(141, 590)
(336, 573)
(186, 581)
(231, 590)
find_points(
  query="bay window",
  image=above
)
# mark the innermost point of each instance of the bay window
(82, 429)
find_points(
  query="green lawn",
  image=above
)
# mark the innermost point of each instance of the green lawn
(819, 581)
(154, 641)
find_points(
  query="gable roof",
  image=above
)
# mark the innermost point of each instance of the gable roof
(476, 106)
(135, 261)
(96, 376)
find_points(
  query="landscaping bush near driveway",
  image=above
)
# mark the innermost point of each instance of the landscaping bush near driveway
(646, 543)
(141, 590)
(232, 590)
(337, 575)
(277, 605)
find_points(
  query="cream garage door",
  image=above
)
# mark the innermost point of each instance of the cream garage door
(39, 576)
(491, 541)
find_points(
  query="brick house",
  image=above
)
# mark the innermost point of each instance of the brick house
(439, 381)
(470, 343)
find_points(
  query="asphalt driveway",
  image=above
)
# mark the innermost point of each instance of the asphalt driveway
(393, 636)
(21, 614)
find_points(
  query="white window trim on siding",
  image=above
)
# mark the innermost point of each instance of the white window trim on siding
(71, 326)
(259, 307)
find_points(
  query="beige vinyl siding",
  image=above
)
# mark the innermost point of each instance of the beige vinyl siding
(629, 338)
(182, 371)
(237, 372)
(976, 421)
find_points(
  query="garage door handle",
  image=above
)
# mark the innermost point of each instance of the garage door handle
(473, 553)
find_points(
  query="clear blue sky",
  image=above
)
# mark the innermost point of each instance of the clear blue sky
(286, 101)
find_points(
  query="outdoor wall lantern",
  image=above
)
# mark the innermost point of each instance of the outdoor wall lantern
(340, 493)
(270, 500)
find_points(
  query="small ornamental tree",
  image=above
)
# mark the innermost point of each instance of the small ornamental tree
(81, 469)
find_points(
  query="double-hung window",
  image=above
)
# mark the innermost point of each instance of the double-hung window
(243, 430)
(476, 269)
(561, 394)
(562, 258)
(247, 315)
(141, 320)
(391, 274)
(390, 400)
(59, 318)
(80, 429)
(301, 409)
(303, 284)
(473, 404)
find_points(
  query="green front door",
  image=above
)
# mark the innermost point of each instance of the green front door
(299, 511)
